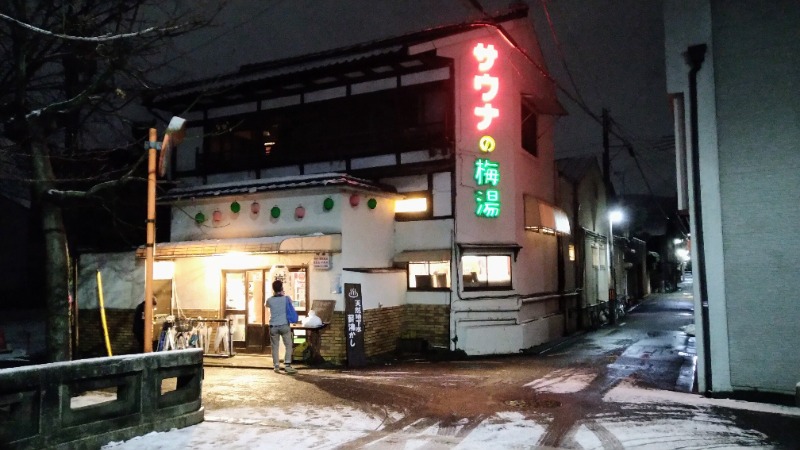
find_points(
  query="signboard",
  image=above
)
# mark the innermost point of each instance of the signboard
(354, 325)
(322, 261)
(487, 171)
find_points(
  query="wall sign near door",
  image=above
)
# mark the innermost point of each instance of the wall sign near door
(354, 325)
(322, 261)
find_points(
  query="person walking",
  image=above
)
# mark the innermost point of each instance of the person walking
(138, 323)
(281, 314)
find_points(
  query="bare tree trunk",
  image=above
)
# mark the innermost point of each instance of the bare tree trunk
(55, 269)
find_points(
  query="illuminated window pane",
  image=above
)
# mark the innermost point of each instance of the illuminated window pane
(411, 205)
(571, 250)
(499, 270)
(429, 275)
(486, 271)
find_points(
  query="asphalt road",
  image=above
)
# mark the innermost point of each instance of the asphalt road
(579, 394)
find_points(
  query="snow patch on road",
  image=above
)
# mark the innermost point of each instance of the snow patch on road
(626, 392)
(563, 381)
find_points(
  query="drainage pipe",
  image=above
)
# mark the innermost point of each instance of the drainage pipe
(695, 55)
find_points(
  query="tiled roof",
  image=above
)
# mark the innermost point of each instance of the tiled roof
(273, 184)
(335, 61)
(269, 244)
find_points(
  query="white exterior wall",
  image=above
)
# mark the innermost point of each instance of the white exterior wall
(367, 234)
(248, 225)
(688, 23)
(378, 290)
(122, 278)
(490, 322)
(757, 68)
(748, 124)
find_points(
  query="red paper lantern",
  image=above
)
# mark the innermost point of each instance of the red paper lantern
(354, 200)
(300, 212)
(255, 207)
(217, 216)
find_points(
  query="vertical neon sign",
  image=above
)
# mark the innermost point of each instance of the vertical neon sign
(486, 172)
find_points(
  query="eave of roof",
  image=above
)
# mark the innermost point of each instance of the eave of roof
(391, 49)
(337, 180)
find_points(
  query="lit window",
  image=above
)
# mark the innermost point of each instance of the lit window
(411, 205)
(571, 250)
(486, 271)
(429, 275)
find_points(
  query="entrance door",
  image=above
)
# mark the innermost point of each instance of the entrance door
(245, 292)
(256, 338)
(236, 306)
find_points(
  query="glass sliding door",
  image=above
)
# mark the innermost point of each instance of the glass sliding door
(236, 305)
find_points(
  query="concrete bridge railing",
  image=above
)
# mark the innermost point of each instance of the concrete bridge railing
(90, 402)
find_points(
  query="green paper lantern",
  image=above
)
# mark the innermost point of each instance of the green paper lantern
(236, 207)
(275, 212)
(199, 217)
(372, 203)
(328, 204)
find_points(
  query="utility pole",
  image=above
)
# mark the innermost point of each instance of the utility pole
(173, 137)
(612, 281)
(152, 145)
(606, 153)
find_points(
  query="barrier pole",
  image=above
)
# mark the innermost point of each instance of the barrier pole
(103, 312)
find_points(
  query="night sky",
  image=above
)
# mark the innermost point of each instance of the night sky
(614, 50)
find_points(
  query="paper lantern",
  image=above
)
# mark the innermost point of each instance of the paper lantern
(199, 217)
(255, 207)
(328, 204)
(355, 199)
(275, 212)
(236, 207)
(217, 215)
(299, 212)
(372, 203)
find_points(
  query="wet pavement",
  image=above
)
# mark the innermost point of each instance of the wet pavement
(626, 386)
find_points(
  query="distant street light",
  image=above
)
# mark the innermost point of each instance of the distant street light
(173, 136)
(615, 215)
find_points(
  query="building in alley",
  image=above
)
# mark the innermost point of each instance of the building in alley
(732, 75)
(420, 168)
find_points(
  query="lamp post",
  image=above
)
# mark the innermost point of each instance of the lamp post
(173, 136)
(614, 215)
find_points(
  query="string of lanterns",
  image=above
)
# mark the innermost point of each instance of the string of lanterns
(275, 211)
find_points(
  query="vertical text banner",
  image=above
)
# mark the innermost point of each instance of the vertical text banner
(354, 325)
(487, 171)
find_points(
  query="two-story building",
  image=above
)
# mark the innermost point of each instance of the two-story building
(420, 167)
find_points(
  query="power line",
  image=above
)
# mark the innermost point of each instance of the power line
(560, 51)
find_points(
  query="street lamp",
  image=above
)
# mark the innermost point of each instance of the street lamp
(173, 136)
(615, 215)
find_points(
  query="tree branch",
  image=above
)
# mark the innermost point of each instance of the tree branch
(101, 38)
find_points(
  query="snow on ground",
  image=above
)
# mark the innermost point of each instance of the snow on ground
(563, 381)
(626, 392)
(695, 431)
(256, 428)
(651, 419)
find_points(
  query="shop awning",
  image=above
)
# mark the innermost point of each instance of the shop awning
(543, 217)
(316, 243)
(423, 255)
